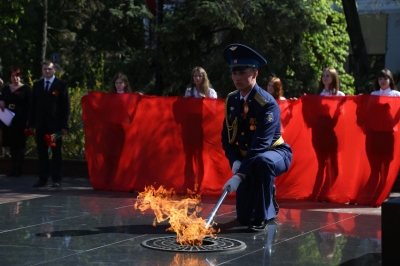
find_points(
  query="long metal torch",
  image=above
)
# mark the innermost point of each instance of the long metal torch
(211, 217)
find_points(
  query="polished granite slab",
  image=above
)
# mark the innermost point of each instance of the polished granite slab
(64, 229)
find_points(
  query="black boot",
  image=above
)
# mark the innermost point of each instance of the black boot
(276, 206)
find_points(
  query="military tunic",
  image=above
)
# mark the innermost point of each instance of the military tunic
(255, 140)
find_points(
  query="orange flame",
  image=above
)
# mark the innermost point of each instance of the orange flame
(182, 214)
(189, 260)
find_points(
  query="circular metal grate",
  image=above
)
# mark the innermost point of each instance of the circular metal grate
(220, 244)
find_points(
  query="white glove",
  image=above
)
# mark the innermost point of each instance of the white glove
(235, 167)
(233, 182)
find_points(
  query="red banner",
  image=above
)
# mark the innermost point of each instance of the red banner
(344, 148)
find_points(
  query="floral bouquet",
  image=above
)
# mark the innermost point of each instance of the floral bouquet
(51, 139)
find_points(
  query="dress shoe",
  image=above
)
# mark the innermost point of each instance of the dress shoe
(40, 183)
(258, 226)
(56, 184)
(276, 206)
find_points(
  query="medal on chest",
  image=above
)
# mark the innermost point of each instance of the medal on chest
(253, 123)
(245, 110)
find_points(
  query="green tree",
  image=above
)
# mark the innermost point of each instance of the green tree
(329, 46)
(298, 38)
(82, 36)
(11, 13)
(98, 34)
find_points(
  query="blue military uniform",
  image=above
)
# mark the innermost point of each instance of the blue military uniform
(253, 136)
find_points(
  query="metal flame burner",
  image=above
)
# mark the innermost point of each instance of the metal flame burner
(220, 244)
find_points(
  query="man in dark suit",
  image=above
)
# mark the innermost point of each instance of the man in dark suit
(252, 140)
(49, 113)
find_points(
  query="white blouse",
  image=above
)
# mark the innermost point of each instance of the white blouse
(329, 93)
(387, 92)
(211, 93)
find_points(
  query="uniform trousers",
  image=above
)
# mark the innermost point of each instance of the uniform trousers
(254, 194)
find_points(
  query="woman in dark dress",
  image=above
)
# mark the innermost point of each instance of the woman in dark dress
(16, 97)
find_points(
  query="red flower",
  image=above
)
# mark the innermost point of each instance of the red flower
(28, 133)
(50, 139)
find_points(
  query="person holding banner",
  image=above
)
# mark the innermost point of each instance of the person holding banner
(120, 84)
(329, 83)
(252, 140)
(16, 98)
(275, 88)
(380, 135)
(200, 86)
(384, 84)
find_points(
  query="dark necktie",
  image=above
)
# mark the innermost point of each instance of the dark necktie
(46, 89)
(241, 105)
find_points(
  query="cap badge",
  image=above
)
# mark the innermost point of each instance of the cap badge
(233, 48)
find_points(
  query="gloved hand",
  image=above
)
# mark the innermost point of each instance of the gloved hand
(233, 182)
(236, 166)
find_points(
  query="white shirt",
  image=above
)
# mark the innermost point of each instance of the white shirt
(211, 93)
(329, 93)
(245, 97)
(387, 92)
(50, 80)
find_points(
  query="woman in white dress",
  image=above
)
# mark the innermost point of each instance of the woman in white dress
(200, 86)
(329, 83)
(380, 135)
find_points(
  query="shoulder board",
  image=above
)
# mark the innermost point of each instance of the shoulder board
(231, 93)
(260, 99)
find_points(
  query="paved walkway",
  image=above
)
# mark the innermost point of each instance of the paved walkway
(76, 225)
(20, 188)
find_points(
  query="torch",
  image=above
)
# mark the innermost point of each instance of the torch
(211, 217)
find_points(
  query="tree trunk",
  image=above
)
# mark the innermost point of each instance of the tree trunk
(159, 79)
(41, 44)
(361, 68)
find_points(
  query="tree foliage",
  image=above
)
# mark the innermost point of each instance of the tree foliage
(298, 38)
(80, 35)
(93, 39)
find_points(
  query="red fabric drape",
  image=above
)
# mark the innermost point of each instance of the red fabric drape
(345, 149)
